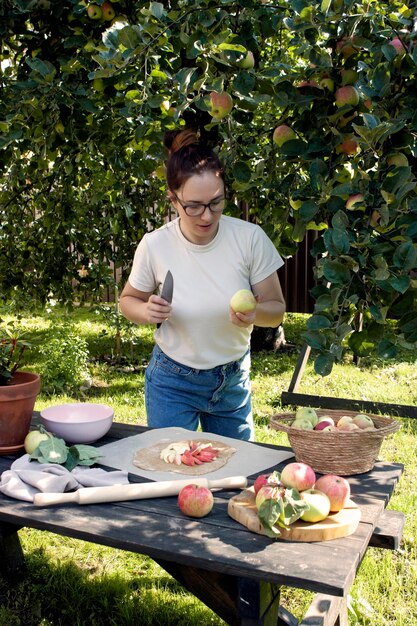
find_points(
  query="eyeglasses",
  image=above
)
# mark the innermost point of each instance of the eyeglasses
(195, 210)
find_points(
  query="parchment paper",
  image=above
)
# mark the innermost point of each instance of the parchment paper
(248, 458)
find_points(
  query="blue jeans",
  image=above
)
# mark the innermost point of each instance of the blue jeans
(219, 398)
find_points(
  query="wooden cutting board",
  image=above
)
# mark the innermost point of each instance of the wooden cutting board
(242, 509)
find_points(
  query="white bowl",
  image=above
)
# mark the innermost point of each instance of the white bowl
(78, 422)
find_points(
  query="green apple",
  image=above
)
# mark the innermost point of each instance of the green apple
(108, 12)
(363, 421)
(98, 84)
(94, 12)
(398, 159)
(221, 104)
(243, 301)
(248, 62)
(308, 413)
(33, 439)
(282, 134)
(318, 505)
(344, 173)
(304, 424)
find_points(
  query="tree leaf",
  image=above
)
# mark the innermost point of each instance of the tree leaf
(323, 364)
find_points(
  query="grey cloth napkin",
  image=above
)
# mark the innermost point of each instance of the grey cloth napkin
(25, 478)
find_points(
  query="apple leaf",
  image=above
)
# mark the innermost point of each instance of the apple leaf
(52, 450)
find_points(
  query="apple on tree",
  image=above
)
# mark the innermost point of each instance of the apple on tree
(243, 301)
(221, 104)
(347, 95)
(195, 501)
(108, 11)
(354, 201)
(299, 476)
(336, 488)
(248, 62)
(348, 146)
(282, 134)
(94, 12)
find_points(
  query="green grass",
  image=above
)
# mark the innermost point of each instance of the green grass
(74, 582)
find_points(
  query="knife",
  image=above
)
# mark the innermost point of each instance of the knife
(136, 491)
(167, 289)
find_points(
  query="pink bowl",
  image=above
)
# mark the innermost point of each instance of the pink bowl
(78, 422)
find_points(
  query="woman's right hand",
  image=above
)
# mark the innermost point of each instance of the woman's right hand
(157, 309)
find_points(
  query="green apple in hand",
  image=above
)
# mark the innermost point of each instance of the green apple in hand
(243, 301)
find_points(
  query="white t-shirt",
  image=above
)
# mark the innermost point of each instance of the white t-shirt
(199, 333)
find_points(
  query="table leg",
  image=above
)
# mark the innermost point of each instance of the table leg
(12, 562)
(238, 601)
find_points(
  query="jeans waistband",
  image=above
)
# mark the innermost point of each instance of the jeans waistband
(218, 368)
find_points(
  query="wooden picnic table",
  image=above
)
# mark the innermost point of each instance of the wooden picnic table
(235, 572)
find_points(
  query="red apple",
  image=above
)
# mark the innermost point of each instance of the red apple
(354, 201)
(348, 146)
(398, 45)
(195, 501)
(300, 476)
(346, 95)
(282, 134)
(260, 481)
(323, 424)
(268, 492)
(319, 505)
(336, 488)
(221, 104)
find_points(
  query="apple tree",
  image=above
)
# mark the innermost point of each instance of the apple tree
(311, 104)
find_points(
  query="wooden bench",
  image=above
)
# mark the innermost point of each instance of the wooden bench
(328, 610)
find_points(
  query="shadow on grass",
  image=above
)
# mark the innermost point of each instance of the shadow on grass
(62, 594)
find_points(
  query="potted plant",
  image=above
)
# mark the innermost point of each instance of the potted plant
(18, 390)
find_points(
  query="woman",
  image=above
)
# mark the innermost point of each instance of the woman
(199, 370)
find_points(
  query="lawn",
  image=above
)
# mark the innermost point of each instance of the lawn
(75, 582)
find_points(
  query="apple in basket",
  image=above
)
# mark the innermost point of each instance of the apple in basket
(336, 488)
(307, 413)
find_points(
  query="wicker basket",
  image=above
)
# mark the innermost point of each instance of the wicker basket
(341, 453)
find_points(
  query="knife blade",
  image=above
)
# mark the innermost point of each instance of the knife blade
(167, 289)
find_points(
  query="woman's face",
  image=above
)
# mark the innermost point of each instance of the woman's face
(201, 189)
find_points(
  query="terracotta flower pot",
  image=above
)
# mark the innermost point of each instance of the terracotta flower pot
(17, 400)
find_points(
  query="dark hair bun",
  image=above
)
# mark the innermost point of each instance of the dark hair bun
(174, 140)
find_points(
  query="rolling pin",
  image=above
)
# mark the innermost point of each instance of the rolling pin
(136, 491)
